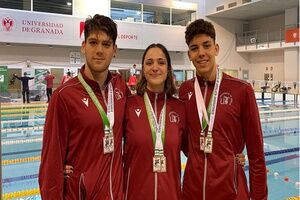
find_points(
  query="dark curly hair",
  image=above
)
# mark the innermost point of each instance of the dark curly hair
(199, 26)
(100, 23)
(170, 87)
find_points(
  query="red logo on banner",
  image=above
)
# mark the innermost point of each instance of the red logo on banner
(81, 28)
(7, 23)
(292, 35)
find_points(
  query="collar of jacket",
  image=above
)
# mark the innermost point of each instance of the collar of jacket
(93, 84)
(151, 95)
(201, 81)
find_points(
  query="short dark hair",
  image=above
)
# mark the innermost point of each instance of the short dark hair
(170, 87)
(199, 26)
(100, 23)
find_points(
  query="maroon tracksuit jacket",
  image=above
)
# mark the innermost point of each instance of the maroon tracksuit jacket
(140, 180)
(73, 135)
(236, 124)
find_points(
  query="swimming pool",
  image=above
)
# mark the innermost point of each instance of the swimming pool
(22, 128)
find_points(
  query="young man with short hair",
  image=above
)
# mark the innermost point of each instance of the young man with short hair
(226, 120)
(83, 125)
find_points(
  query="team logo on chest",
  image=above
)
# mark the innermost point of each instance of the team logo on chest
(138, 112)
(118, 94)
(226, 98)
(85, 101)
(190, 95)
(174, 117)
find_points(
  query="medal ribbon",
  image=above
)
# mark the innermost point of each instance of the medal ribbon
(157, 128)
(107, 119)
(209, 113)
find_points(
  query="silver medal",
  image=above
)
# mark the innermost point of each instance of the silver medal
(156, 164)
(108, 142)
(202, 143)
(159, 163)
(208, 144)
(163, 164)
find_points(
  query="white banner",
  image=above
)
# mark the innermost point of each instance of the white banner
(52, 29)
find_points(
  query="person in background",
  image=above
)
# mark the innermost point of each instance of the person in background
(132, 81)
(226, 120)
(84, 124)
(66, 78)
(49, 80)
(25, 86)
(154, 132)
(133, 70)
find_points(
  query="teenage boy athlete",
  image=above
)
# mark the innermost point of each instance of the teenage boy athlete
(83, 125)
(226, 119)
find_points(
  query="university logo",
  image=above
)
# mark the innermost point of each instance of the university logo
(118, 94)
(174, 117)
(8, 24)
(226, 98)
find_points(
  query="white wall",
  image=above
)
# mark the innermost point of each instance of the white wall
(260, 60)
(267, 24)
(291, 17)
(228, 58)
(91, 7)
(291, 64)
(43, 57)
(212, 4)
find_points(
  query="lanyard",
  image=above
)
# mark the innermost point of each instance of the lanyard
(212, 104)
(107, 119)
(157, 128)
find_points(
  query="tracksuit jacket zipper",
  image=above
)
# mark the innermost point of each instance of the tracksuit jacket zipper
(205, 158)
(155, 174)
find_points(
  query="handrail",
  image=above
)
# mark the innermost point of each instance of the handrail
(255, 37)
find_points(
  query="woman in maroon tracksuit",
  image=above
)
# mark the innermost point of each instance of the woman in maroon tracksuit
(154, 132)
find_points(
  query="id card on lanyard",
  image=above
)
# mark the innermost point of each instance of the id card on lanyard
(158, 134)
(206, 143)
(107, 118)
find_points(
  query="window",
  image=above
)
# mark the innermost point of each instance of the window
(126, 11)
(16, 4)
(179, 77)
(182, 17)
(156, 15)
(53, 6)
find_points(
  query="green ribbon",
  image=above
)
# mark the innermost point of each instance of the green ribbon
(96, 101)
(152, 120)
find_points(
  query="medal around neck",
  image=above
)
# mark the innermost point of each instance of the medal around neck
(159, 163)
(208, 144)
(108, 141)
(107, 118)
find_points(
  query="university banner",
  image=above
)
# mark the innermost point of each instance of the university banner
(3, 79)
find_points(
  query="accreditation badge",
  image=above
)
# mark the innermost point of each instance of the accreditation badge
(202, 143)
(156, 164)
(208, 144)
(108, 143)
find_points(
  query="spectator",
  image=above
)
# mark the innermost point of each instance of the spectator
(25, 87)
(49, 79)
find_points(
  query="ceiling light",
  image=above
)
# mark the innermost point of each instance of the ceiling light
(69, 3)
